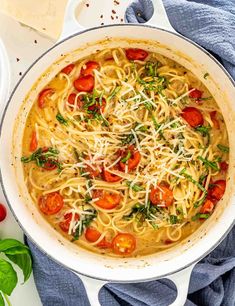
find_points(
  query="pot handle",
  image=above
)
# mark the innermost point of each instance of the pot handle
(181, 280)
(92, 287)
(71, 25)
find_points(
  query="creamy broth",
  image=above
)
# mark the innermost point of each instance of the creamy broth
(125, 152)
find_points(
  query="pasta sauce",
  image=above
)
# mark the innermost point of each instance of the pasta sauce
(125, 152)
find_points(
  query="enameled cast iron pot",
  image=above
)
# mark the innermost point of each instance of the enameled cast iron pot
(95, 270)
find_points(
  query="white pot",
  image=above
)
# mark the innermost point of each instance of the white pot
(176, 263)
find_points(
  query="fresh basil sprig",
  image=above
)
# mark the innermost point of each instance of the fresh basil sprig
(19, 254)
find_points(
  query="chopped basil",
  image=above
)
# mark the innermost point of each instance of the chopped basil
(141, 212)
(127, 157)
(212, 164)
(173, 219)
(223, 148)
(151, 68)
(61, 119)
(114, 92)
(200, 216)
(204, 130)
(135, 187)
(84, 222)
(190, 178)
(201, 201)
(42, 157)
(87, 198)
(128, 139)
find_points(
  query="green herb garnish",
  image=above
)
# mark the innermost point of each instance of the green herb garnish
(200, 216)
(61, 119)
(127, 157)
(204, 130)
(173, 219)
(208, 163)
(223, 148)
(42, 157)
(135, 187)
(84, 222)
(190, 178)
(114, 92)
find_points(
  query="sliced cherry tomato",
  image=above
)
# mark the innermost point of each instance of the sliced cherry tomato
(85, 83)
(51, 203)
(107, 200)
(136, 54)
(93, 171)
(162, 196)
(110, 177)
(195, 94)
(43, 95)
(3, 212)
(214, 119)
(64, 225)
(124, 244)
(72, 99)
(223, 166)
(92, 235)
(68, 69)
(133, 158)
(216, 192)
(207, 207)
(97, 107)
(50, 164)
(34, 142)
(193, 116)
(90, 66)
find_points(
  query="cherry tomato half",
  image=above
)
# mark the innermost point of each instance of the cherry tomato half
(89, 67)
(84, 83)
(72, 99)
(215, 121)
(133, 159)
(161, 196)
(223, 166)
(195, 94)
(34, 142)
(51, 203)
(92, 235)
(193, 116)
(136, 54)
(110, 177)
(64, 225)
(3, 212)
(207, 207)
(68, 69)
(216, 192)
(50, 164)
(107, 200)
(44, 94)
(123, 244)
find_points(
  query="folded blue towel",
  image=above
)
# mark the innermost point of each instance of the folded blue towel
(211, 23)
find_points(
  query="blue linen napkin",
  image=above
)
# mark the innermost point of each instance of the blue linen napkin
(211, 23)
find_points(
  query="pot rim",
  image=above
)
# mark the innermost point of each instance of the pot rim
(1, 131)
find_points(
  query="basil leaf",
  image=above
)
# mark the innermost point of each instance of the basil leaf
(209, 163)
(223, 148)
(173, 219)
(135, 187)
(61, 119)
(2, 303)
(22, 258)
(127, 157)
(8, 277)
(200, 216)
(7, 244)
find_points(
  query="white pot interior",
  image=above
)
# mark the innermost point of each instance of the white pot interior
(78, 259)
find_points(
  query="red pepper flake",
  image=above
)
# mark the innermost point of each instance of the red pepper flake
(112, 17)
(114, 12)
(101, 16)
(17, 59)
(102, 23)
(122, 19)
(20, 73)
(87, 4)
(35, 41)
(116, 2)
